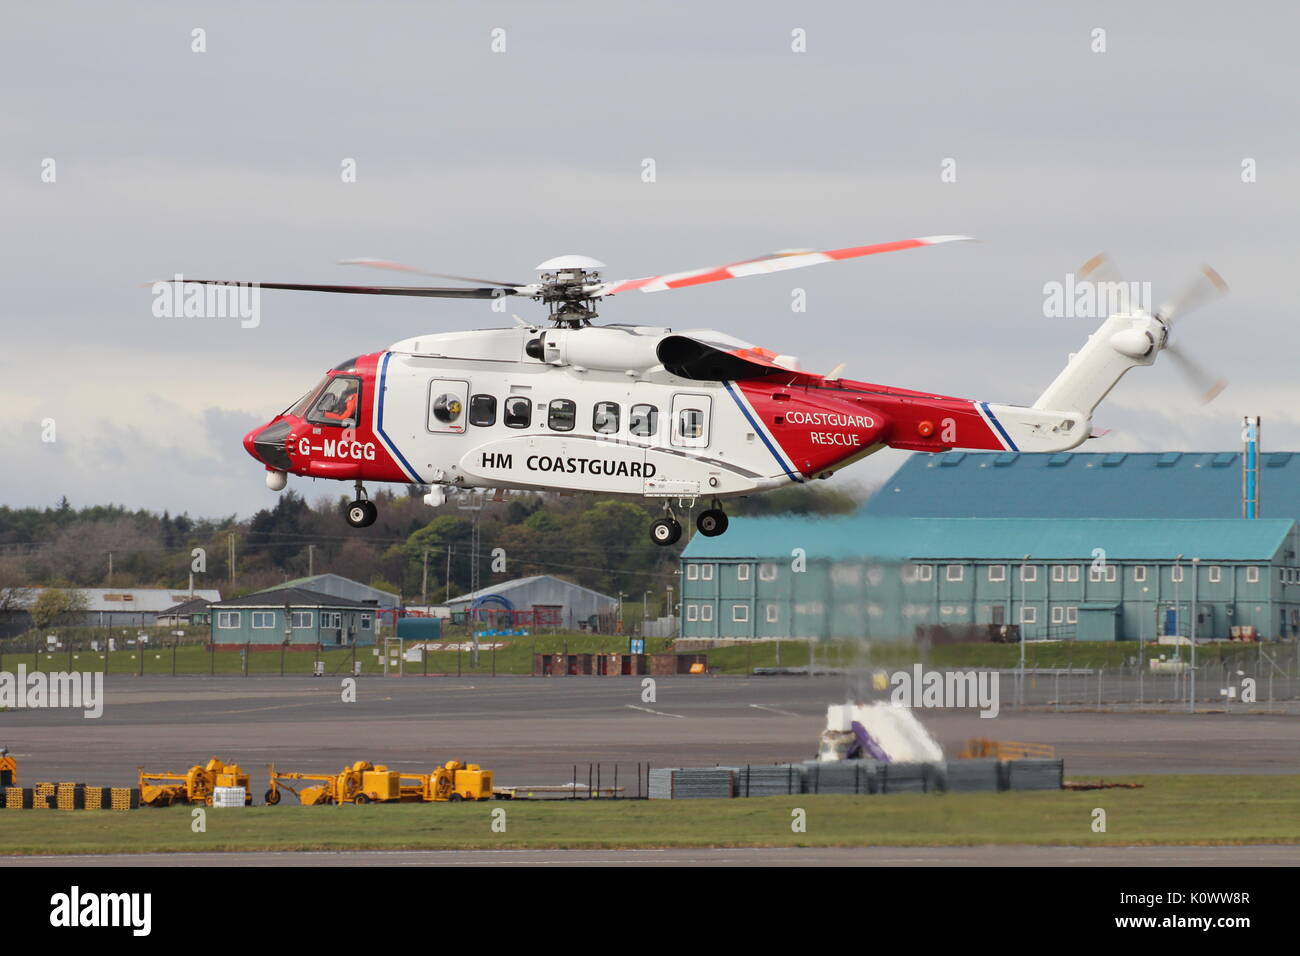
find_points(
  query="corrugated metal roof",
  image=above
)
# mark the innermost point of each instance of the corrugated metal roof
(340, 586)
(1008, 539)
(507, 586)
(1085, 485)
(135, 600)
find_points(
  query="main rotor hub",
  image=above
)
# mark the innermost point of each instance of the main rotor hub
(567, 283)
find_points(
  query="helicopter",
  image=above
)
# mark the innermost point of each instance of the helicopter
(656, 413)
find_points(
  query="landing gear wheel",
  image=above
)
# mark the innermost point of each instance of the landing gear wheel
(712, 522)
(362, 514)
(665, 531)
(272, 797)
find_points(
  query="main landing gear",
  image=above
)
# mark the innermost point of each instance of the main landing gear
(668, 530)
(362, 512)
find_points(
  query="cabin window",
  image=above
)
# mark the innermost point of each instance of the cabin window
(518, 412)
(561, 415)
(483, 410)
(690, 423)
(604, 418)
(643, 421)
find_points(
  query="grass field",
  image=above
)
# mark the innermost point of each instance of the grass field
(516, 656)
(1168, 810)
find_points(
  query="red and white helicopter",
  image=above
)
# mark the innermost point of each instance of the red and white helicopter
(648, 412)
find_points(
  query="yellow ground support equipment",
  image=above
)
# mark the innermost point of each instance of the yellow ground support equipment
(8, 769)
(1005, 749)
(363, 782)
(194, 786)
(453, 781)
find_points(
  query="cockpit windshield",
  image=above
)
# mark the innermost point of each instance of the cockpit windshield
(299, 408)
(338, 402)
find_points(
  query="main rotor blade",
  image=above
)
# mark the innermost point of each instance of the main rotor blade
(1207, 386)
(426, 291)
(1206, 287)
(775, 262)
(401, 267)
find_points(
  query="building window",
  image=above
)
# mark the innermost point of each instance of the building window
(1073, 573)
(955, 572)
(1252, 575)
(1028, 615)
(1029, 573)
(1112, 573)
(301, 619)
(1058, 614)
(740, 613)
(1176, 573)
(1216, 574)
(604, 418)
(767, 572)
(561, 415)
(706, 612)
(643, 421)
(706, 572)
(742, 572)
(924, 572)
(1095, 573)
(1071, 615)
(997, 572)
(263, 620)
(692, 572)
(692, 612)
(365, 622)
(227, 619)
(483, 410)
(519, 412)
(1140, 573)
(772, 613)
(331, 619)
(1058, 572)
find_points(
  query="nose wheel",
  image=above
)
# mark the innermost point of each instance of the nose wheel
(362, 512)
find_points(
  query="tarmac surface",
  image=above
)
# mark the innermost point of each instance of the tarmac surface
(532, 731)
(1059, 856)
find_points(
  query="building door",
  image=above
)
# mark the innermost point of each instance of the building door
(999, 615)
(1171, 621)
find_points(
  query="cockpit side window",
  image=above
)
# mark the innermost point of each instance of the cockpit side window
(339, 402)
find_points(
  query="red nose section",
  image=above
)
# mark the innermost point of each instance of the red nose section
(267, 444)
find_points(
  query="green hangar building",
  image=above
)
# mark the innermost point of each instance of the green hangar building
(1080, 546)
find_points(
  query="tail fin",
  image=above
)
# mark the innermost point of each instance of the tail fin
(1123, 341)
(1061, 419)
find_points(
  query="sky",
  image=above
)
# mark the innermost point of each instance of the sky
(478, 160)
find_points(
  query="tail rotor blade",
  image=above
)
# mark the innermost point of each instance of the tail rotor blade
(1206, 385)
(1205, 288)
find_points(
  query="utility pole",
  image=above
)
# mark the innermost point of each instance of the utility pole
(110, 566)
(231, 539)
(448, 572)
(1196, 579)
(424, 581)
(311, 563)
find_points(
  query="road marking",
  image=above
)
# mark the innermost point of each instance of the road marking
(659, 713)
(775, 710)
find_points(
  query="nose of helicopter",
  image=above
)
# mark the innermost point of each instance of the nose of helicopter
(267, 444)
